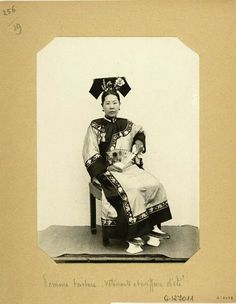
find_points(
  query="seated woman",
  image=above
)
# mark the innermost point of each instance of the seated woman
(134, 202)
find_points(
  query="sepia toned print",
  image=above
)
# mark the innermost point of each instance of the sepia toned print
(130, 215)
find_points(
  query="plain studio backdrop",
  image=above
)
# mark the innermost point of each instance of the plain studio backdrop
(163, 74)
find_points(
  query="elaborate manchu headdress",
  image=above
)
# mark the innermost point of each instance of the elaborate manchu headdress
(117, 84)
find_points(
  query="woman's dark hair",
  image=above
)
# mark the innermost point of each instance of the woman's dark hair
(106, 93)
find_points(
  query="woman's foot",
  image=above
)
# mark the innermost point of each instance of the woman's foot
(138, 241)
(134, 247)
(153, 241)
(159, 233)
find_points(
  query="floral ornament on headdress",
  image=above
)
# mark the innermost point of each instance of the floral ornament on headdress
(109, 86)
(119, 83)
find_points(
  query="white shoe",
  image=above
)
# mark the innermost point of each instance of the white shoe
(153, 241)
(159, 233)
(157, 230)
(133, 248)
(138, 241)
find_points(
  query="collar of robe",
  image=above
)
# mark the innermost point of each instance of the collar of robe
(110, 119)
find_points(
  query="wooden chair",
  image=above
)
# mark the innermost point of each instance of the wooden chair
(95, 193)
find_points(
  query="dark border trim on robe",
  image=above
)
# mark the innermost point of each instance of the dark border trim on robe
(95, 165)
(119, 192)
(119, 134)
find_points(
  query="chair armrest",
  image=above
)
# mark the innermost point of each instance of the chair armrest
(96, 183)
(95, 190)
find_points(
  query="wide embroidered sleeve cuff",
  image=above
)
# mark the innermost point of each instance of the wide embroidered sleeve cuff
(95, 165)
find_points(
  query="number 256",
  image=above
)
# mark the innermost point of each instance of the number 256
(9, 11)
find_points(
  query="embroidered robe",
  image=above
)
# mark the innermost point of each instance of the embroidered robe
(133, 201)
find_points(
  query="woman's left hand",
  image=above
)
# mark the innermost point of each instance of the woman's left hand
(139, 146)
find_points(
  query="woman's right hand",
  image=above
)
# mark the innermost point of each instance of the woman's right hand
(113, 168)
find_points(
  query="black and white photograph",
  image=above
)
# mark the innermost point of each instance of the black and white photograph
(118, 150)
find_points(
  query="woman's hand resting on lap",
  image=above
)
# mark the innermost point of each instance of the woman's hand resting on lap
(114, 168)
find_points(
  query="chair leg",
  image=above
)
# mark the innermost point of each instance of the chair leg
(93, 214)
(105, 238)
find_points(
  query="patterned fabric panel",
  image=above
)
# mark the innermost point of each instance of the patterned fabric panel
(92, 159)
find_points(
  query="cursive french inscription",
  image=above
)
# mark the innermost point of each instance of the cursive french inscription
(150, 284)
(75, 283)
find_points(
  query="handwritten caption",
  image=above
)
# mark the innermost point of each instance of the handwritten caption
(14, 24)
(149, 284)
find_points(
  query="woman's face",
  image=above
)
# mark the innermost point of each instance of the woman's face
(111, 105)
